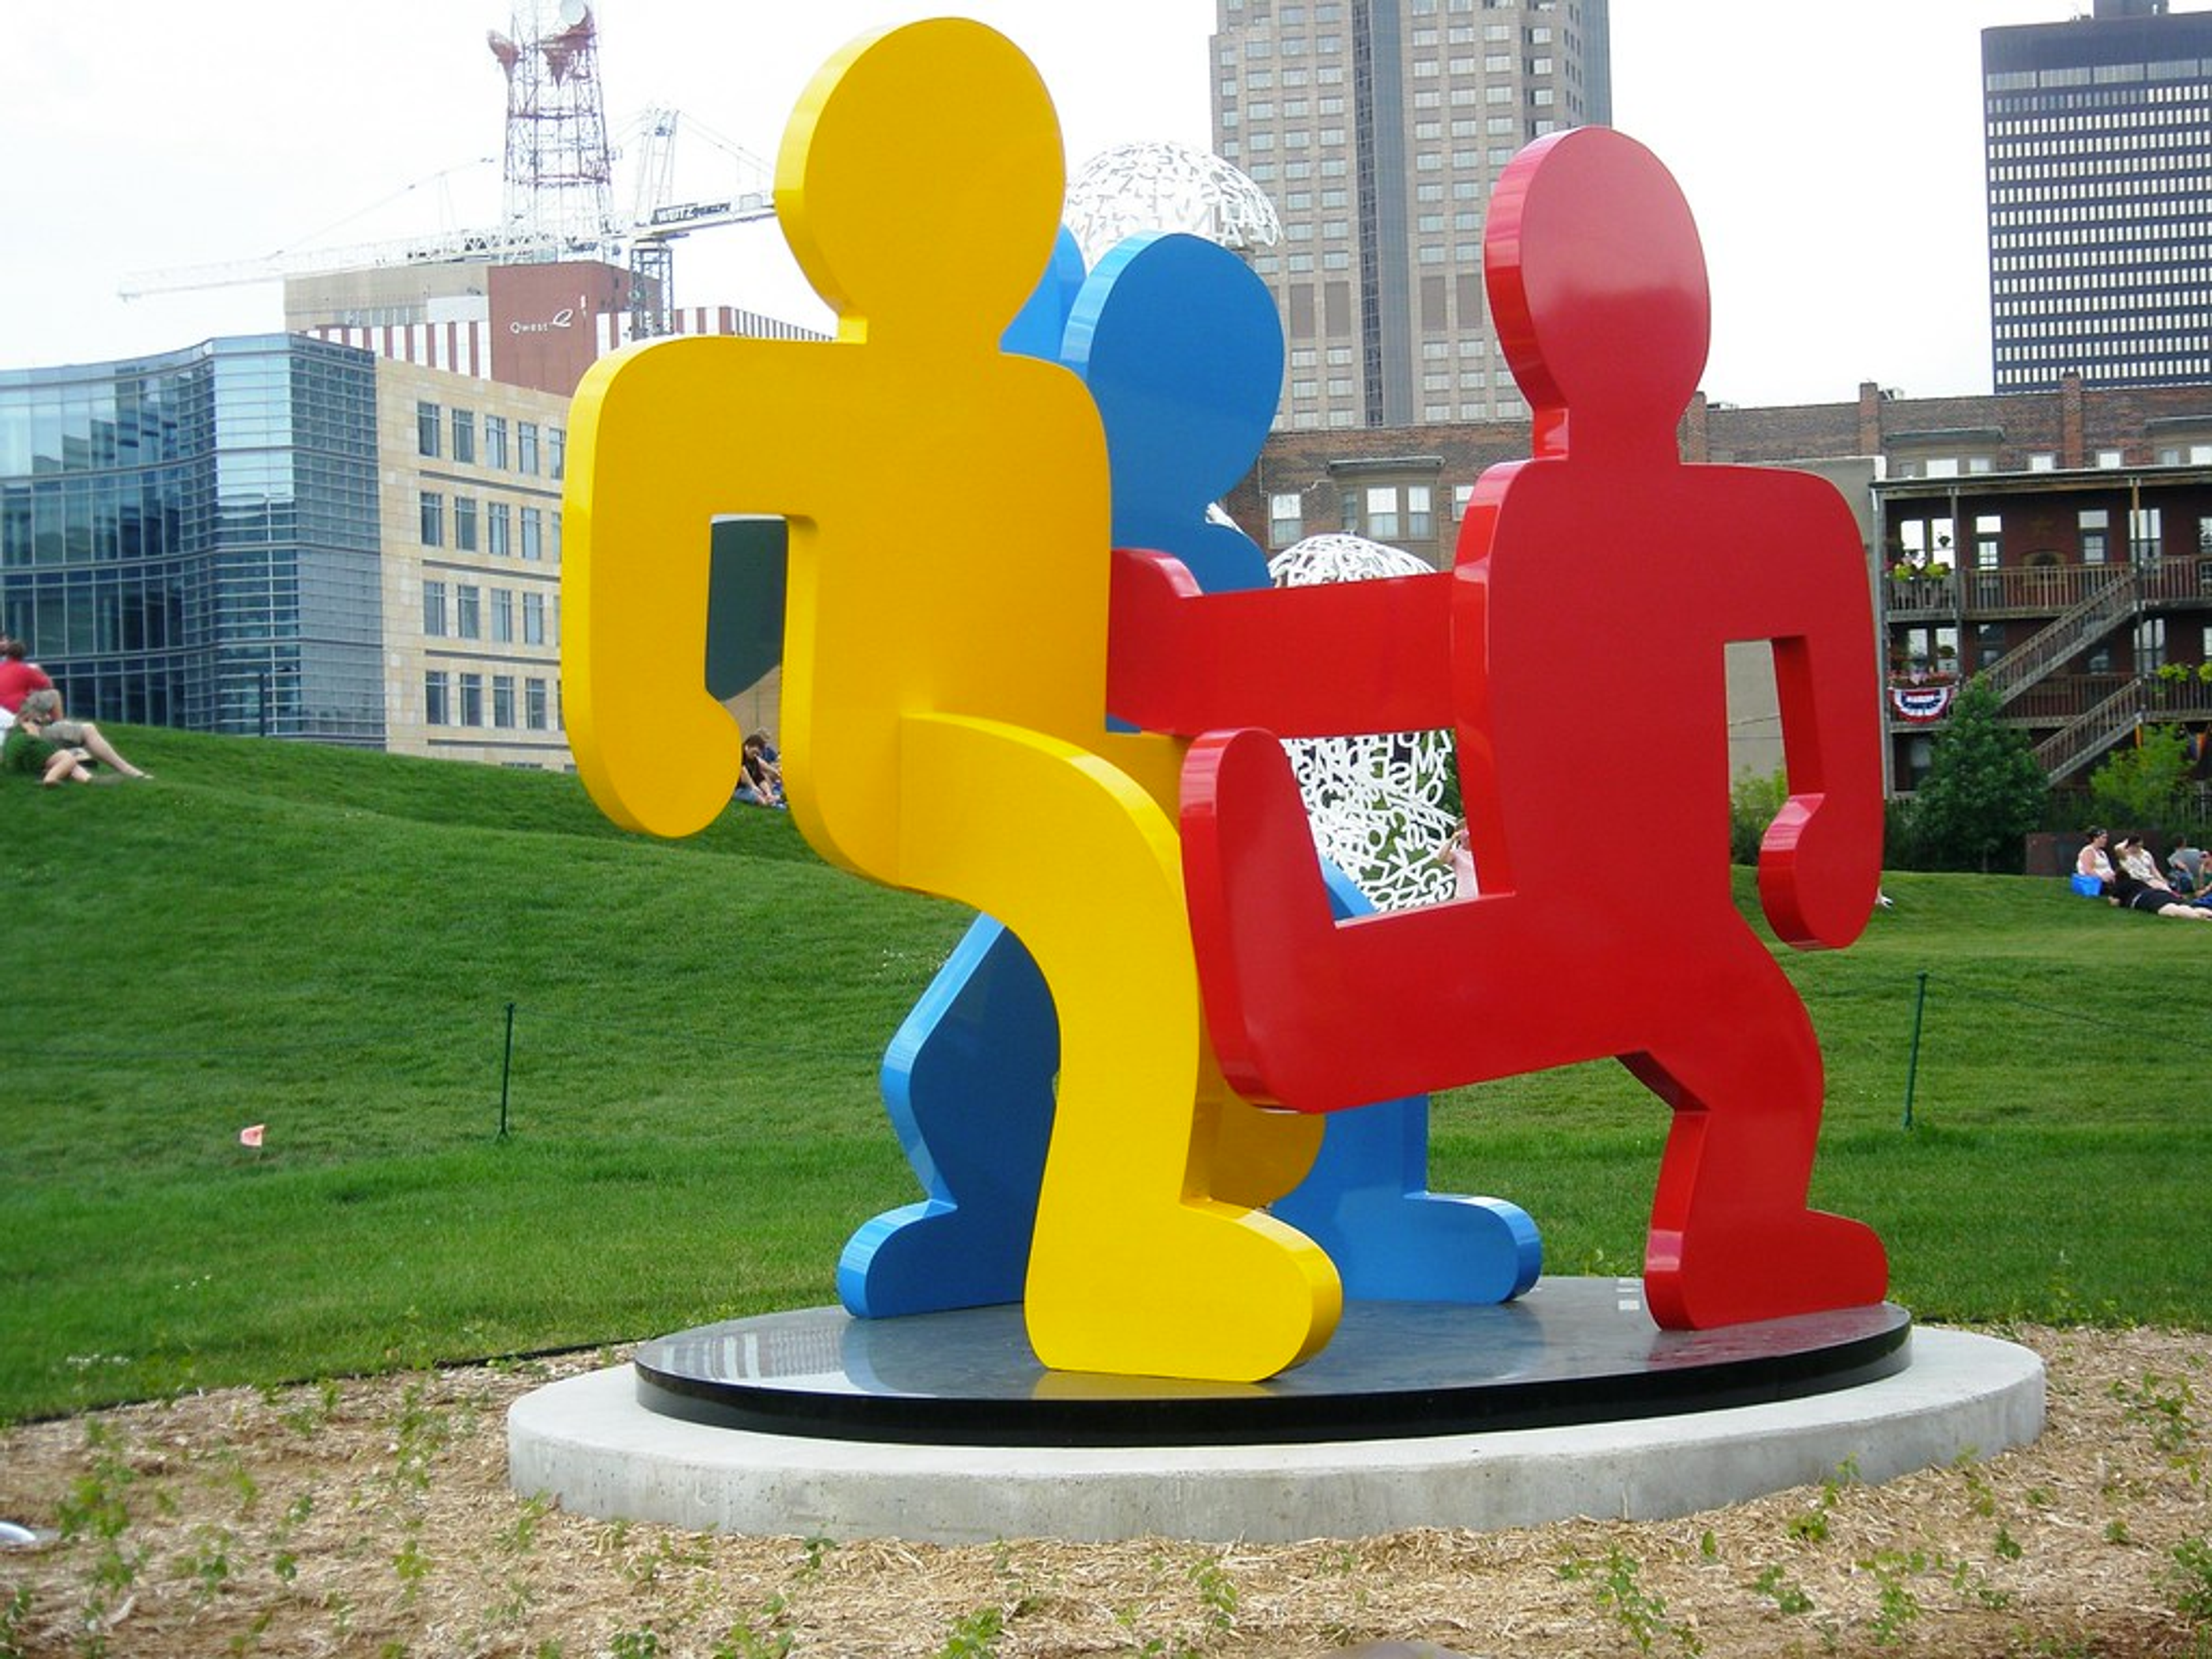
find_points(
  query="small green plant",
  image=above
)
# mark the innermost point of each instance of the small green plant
(768, 1635)
(411, 1562)
(1215, 1589)
(2006, 1546)
(15, 1615)
(1788, 1598)
(1896, 1607)
(2189, 1581)
(209, 1562)
(2116, 1532)
(640, 1644)
(975, 1635)
(1616, 1591)
(2162, 1404)
(519, 1535)
(1812, 1527)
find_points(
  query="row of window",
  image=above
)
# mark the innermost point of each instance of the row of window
(450, 699)
(459, 610)
(433, 424)
(2083, 75)
(489, 527)
(1382, 513)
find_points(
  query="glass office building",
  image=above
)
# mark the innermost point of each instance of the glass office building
(191, 539)
(2099, 138)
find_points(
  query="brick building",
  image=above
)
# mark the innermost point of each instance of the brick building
(2059, 541)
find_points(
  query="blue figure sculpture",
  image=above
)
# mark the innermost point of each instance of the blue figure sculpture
(1180, 348)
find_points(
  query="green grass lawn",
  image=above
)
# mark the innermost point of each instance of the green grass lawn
(329, 943)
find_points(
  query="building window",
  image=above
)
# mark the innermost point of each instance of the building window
(495, 526)
(2108, 457)
(554, 546)
(2145, 535)
(464, 436)
(472, 700)
(502, 617)
(1988, 643)
(1989, 531)
(2096, 525)
(468, 610)
(1286, 519)
(534, 619)
(465, 523)
(2150, 645)
(533, 704)
(426, 429)
(525, 447)
(533, 538)
(496, 441)
(556, 450)
(503, 700)
(434, 610)
(1420, 516)
(433, 519)
(1381, 506)
(437, 698)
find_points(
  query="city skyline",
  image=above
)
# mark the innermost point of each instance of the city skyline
(1852, 249)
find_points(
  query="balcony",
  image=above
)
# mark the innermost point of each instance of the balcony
(2043, 590)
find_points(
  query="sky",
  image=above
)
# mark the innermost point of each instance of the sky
(1829, 149)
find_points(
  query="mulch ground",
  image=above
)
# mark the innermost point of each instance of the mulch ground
(373, 1517)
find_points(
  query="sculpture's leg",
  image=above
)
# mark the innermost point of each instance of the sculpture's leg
(1367, 1202)
(1305, 1013)
(968, 1084)
(1731, 1239)
(1134, 1266)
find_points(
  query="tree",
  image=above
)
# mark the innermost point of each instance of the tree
(2145, 784)
(1983, 792)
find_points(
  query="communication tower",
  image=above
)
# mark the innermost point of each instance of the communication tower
(558, 171)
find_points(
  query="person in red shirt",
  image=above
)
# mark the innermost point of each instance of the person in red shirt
(19, 678)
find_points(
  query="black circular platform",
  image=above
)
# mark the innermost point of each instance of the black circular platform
(1571, 1351)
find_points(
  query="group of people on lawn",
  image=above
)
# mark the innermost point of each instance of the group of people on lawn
(2125, 873)
(37, 738)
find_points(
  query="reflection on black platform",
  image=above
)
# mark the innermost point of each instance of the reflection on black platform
(1571, 1351)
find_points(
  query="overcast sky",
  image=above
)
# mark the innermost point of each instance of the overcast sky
(1830, 149)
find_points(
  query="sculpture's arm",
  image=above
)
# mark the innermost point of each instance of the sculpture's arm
(1340, 660)
(1820, 861)
(659, 444)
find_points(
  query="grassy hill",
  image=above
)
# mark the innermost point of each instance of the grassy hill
(329, 943)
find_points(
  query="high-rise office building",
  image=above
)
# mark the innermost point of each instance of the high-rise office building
(1378, 128)
(2098, 137)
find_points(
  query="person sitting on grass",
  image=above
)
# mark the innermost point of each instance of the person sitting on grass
(39, 721)
(760, 783)
(24, 750)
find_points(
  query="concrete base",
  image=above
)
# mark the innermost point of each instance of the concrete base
(588, 1444)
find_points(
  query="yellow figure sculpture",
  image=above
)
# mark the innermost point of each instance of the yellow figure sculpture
(945, 663)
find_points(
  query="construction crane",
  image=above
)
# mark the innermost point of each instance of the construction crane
(557, 172)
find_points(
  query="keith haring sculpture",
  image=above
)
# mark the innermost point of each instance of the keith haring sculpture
(919, 186)
(1605, 553)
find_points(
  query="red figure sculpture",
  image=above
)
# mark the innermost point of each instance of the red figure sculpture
(1578, 648)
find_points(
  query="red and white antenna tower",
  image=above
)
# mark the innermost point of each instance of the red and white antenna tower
(558, 171)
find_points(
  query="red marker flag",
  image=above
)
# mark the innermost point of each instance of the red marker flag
(251, 1136)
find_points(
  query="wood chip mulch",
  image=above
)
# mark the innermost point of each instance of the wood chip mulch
(373, 1517)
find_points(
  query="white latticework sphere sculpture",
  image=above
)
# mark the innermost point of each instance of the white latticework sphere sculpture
(1162, 186)
(1382, 805)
